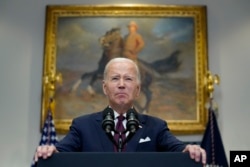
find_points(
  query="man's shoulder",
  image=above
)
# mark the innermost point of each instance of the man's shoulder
(146, 117)
(153, 121)
(89, 116)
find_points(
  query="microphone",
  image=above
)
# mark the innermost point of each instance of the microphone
(132, 121)
(108, 123)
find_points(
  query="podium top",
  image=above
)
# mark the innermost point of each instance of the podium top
(124, 159)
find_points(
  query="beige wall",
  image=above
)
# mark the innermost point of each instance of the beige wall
(21, 63)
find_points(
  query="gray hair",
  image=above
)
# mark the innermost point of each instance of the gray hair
(122, 59)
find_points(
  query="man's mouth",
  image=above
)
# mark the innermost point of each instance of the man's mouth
(121, 94)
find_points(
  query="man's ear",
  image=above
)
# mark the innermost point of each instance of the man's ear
(104, 87)
(138, 90)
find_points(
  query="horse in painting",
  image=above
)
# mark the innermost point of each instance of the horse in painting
(112, 44)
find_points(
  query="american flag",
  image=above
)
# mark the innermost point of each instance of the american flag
(48, 133)
(212, 142)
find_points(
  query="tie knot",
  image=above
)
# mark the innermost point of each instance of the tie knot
(120, 118)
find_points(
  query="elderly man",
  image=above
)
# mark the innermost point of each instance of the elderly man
(121, 85)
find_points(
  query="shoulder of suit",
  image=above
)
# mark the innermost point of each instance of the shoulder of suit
(88, 116)
(145, 117)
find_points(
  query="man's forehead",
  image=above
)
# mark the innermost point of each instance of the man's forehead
(113, 72)
(122, 71)
(122, 66)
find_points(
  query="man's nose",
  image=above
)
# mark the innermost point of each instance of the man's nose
(121, 83)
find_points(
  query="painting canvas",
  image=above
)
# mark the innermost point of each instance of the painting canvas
(172, 61)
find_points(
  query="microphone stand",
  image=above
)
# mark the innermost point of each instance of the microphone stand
(120, 142)
(119, 146)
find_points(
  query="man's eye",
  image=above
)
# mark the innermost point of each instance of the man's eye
(114, 78)
(129, 79)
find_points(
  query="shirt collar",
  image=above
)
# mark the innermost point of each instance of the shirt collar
(116, 114)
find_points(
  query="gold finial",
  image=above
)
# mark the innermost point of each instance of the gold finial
(50, 81)
(210, 81)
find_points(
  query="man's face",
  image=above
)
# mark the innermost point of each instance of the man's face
(132, 28)
(121, 85)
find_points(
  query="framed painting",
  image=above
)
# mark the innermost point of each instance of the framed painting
(173, 55)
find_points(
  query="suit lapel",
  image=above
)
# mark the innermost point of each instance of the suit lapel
(107, 145)
(134, 141)
(104, 141)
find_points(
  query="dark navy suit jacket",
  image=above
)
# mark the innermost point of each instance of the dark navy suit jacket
(86, 135)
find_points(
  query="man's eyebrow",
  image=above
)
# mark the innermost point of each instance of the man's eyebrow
(130, 76)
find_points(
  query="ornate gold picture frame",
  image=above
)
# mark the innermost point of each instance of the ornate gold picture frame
(174, 56)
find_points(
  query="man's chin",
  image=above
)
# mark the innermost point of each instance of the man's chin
(123, 103)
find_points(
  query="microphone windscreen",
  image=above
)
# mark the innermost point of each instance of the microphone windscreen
(130, 112)
(107, 111)
(132, 120)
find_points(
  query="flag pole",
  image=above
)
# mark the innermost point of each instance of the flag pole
(48, 135)
(212, 141)
(48, 131)
(50, 81)
(211, 81)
